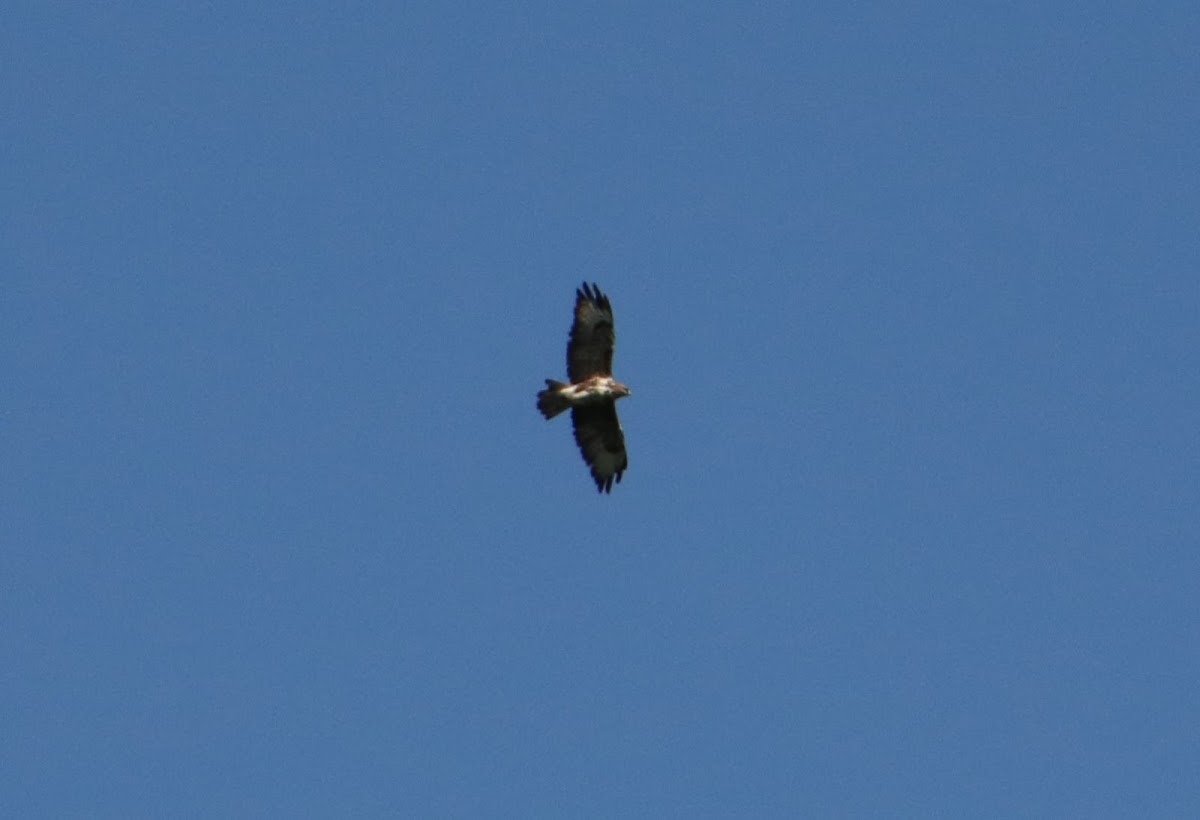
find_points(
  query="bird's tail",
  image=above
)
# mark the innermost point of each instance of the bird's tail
(550, 401)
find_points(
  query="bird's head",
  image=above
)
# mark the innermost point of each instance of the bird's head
(620, 391)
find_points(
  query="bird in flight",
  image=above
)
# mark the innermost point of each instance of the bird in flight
(592, 393)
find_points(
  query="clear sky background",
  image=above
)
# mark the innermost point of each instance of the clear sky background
(908, 299)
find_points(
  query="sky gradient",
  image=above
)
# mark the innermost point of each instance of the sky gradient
(908, 302)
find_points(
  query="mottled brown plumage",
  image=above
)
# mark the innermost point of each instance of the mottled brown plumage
(593, 392)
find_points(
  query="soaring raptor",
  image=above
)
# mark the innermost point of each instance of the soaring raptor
(593, 392)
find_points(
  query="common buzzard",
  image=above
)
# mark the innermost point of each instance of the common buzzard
(593, 392)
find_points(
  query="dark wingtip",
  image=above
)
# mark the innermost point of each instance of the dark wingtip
(592, 293)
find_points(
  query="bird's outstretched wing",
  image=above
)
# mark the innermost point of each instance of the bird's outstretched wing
(600, 439)
(590, 349)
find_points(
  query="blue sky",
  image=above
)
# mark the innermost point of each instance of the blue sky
(908, 301)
